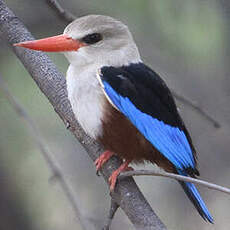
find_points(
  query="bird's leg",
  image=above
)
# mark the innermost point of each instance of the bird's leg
(115, 174)
(102, 159)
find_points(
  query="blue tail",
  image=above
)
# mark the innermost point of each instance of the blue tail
(195, 198)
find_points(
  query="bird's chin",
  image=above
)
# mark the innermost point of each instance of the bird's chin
(76, 58)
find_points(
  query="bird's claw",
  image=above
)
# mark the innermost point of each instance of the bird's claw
(100, 161)
(113, 180)
(115, 175)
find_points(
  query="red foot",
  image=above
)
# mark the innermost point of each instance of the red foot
(102, 159)
(115, 174)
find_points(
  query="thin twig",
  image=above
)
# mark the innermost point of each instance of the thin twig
(113, 208)
(52, 163)
(158, 172)
(64, 14)
(196, 107)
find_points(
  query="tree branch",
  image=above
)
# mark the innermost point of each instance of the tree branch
(196, 107)
(69, 17)
(52, 83)
(158, 172)
(51, 161)
(113, 208)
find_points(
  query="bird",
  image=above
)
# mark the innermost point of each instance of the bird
(121, 102)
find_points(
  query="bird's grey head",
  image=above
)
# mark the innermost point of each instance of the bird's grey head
(106, 40)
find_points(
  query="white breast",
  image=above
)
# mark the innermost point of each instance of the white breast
(86, 98)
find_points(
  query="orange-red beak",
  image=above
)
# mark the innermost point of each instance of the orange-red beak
(58, 43)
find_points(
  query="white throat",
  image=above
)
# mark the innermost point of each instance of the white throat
(86, 98)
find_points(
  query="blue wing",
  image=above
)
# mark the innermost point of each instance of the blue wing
(171, 141)
(141, 95)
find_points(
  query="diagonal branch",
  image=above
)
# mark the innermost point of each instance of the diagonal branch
(69, 17)
(52, 83)
(113, 208)
(52, 163)
(158, 172)
(196, 107)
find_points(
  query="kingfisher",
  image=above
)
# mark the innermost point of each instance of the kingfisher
(121, 102)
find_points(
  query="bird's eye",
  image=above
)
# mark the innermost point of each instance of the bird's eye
(92, 38)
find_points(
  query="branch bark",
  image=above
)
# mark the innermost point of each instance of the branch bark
(113, 208)
(52, 83)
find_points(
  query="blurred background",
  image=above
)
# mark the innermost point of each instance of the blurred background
(188, 44)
